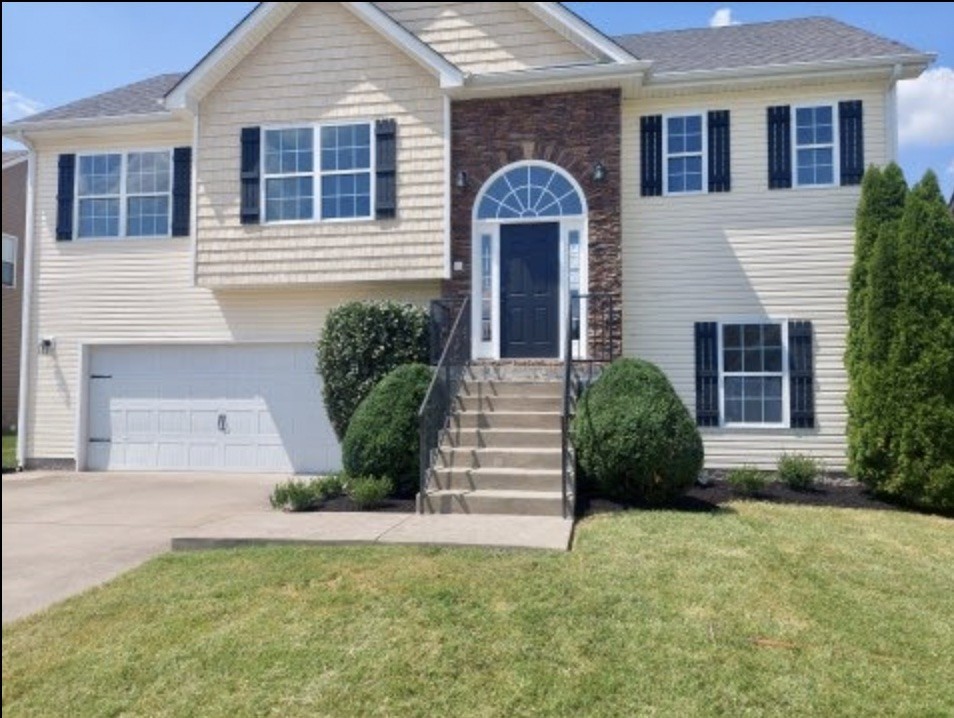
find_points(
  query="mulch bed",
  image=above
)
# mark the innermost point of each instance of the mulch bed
(711, 497)
(391, 506)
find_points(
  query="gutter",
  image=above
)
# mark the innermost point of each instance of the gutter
(15, 130)
(544, 77)
(26, 326)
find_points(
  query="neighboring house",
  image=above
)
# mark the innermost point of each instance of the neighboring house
(191, 231)
(14, 220)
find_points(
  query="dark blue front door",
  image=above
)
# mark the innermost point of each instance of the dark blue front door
(530, 290)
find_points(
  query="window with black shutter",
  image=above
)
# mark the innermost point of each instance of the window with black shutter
(801, 375)
(66, 182)
(852, 141)
(720, 162)
(250, 175)
(181, 190)
(779, 147)
(707, 373)
(385, 134)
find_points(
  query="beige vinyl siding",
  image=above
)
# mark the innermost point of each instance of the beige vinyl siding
(483, 37)
(141, 291)
(322, 64)
(749, 253)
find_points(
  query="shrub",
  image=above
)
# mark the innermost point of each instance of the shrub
(368, 492)
(635, 439)
(382, 439)
(360, 343)
(747, 480)
(798, 471)
(300, 495)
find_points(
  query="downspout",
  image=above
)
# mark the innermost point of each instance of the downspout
(26, 325)
(891, 110)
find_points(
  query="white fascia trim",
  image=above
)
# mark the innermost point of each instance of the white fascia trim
(15, 161)
(541, 77)
(450, 75)
(578, 31)
(913, 64)
(18, 128)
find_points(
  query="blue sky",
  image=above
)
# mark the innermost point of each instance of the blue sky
(99, 46)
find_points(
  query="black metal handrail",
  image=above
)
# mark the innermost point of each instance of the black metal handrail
(600, 344)
(435, 411)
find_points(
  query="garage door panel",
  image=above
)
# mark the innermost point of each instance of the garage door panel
(161, 408)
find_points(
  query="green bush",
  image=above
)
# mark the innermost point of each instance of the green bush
(382, 439)
(368, 492)
(301, 495)
(747, 480)
(360, 343)
(635, 439)
(798, 471)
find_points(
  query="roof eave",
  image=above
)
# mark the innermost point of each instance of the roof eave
(15, 161)
(579, 32)
(14, 129)
(502, 83)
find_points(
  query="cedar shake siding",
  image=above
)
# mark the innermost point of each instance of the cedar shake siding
(14, 218)
(571, 130)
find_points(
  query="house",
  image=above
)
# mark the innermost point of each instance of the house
(189, 232)
(14, 219)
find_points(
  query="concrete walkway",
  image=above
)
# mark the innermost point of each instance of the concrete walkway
(531, 532)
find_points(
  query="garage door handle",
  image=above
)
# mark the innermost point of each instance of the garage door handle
(223, 423)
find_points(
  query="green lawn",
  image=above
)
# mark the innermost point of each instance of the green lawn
(759, 610)
(9, 451)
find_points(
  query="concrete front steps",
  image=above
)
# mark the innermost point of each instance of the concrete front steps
(502, 453)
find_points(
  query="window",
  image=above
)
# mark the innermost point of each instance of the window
(814, 146)
(529, 191)
(9, 261)
(319, 173)
(685, 154)
(486, 288)
(753, 374)
(124, 194)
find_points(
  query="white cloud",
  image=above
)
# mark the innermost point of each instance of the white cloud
(950, 167)
(16, 105)
(722, 18)
(926, 108)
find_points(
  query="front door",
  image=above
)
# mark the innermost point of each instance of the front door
(530, 290)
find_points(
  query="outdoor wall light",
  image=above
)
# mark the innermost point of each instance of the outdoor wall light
(461, 180)
(599, 172)
(47, 345)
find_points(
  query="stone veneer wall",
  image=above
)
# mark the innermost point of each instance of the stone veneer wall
(574, 130)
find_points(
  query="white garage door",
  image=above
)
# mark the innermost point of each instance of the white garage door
(209, 408)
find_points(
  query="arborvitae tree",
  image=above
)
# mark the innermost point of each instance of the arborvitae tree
(921, 355)
(879, 211)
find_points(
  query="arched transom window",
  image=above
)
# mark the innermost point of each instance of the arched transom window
(529, 191)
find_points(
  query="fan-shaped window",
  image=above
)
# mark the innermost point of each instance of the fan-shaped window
(529, 191)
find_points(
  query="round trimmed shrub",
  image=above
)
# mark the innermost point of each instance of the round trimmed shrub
(382, 438)
(635, 440)
(360, 343)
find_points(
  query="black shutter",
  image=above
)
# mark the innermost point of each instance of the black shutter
(707, 373)
(801, 375)
(64, 198)
(251, 175)
(385, 158)
(181, 190)
(651, 161)
(720, 164)
(780, 147)
(852, 138)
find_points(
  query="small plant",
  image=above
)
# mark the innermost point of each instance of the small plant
(798, 471)
(747, 480)
(368, 492)
(331, 486)
(300, 495)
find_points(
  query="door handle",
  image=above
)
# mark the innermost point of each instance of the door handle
(223, 423)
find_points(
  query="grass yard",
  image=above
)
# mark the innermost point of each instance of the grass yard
(9, 451)
(758, 610)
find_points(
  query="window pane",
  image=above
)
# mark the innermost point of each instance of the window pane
(148, 172)
(732, 335)
(345, 147)
(98, 218)
(147, 216)
(343, 195)
(486, 288)
(289, 151)
(732, 360)
(773, 411)
(289, 198)
(752, 349)
(7, 273)
(772, 359)
(733, 388)
(99, 175)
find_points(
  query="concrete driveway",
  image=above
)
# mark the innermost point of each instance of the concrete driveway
(63, 533)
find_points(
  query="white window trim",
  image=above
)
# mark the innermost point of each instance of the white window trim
(122, 196)
(704, 115)
(12, 242)
(785, 423)
(835, 144)
(317, 173)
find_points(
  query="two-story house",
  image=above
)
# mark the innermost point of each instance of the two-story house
(188, 233)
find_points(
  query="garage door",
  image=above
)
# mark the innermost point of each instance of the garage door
(209, 408)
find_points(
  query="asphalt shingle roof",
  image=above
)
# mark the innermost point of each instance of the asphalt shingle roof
(782, 42)
(139, 98)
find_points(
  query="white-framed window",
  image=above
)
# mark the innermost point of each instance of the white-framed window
(318, 172)
(814, 145)
(753, 373)
(9, 261)
(684, 142)
(123, 194)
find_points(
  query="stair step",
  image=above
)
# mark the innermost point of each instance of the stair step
(494, 501)
(510, 403)
(505, 438)
(465, 458)
(472, 388)
(507, 420)
(492, 479)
